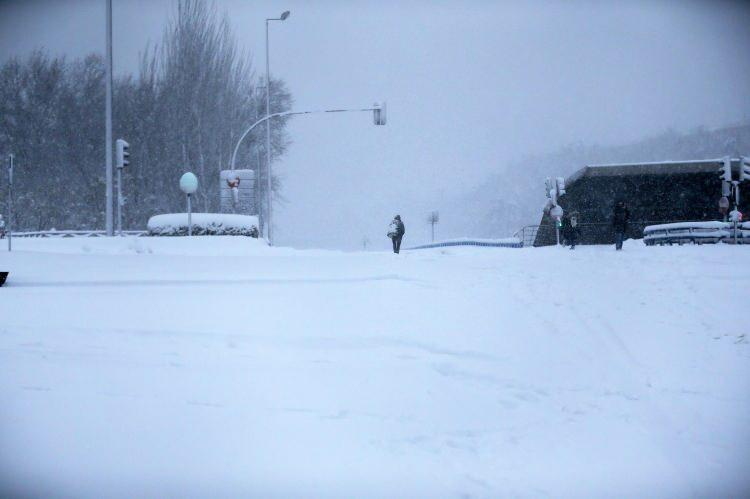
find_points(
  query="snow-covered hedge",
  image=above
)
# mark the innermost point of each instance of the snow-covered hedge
(204, 224)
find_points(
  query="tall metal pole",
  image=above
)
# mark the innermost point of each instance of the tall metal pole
(119, 201)
(268, 144)
(108, 147)
(258, 200)
(10, 201)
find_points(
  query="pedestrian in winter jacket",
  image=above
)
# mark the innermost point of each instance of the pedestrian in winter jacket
(620, 218)
(396, 232)
(570, 229)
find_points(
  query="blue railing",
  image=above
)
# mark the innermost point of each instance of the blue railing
(488, 243)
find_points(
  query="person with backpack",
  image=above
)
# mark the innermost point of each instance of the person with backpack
(396, 232)
(620, 218)
(570, 229)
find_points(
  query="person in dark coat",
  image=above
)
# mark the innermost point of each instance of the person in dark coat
(396, 233)
(620, 218)
(570, 229)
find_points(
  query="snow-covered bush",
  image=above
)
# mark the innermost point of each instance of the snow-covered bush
(204, 224)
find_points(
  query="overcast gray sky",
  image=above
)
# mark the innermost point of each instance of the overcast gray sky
(469, 85)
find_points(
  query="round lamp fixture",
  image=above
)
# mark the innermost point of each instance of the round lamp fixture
(188, 183)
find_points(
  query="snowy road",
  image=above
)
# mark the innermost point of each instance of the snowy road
(149, 368)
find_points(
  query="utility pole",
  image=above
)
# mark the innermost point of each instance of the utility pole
(108, 210)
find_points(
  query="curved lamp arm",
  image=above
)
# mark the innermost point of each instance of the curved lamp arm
(290, 113)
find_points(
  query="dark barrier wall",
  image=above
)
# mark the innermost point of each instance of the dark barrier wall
(654, 195)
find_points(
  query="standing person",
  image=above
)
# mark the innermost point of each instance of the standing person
(396, 232)
(620, 218)
(2, 227)
(570, 229)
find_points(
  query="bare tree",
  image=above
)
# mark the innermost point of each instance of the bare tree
(194, 94)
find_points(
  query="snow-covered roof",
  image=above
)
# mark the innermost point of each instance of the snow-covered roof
(651, 168)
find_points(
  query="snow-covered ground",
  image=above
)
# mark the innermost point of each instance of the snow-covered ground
(218, 367)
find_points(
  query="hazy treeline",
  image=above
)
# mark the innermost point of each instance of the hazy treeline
(193, 96)
(516, 197)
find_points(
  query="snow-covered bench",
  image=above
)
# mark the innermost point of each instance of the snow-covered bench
(696, 233)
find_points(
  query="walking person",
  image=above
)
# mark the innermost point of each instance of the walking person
(620, 218)
(570, 229)
(396, 232)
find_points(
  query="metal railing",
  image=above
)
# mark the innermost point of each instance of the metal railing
(527, 234)
(487, 243)
(75, 233)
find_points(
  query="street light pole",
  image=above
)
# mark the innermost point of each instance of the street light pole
(283, 16)
(108, 174)
(379, 118)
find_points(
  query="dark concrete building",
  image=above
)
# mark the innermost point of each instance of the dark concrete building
(655, 193)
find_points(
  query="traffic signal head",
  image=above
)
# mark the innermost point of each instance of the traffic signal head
(744, 168)
(560, 186)
(379, 114)
(725, 172)
(123, 153)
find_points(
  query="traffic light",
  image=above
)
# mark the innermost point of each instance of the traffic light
(560, 186)
(726, 170)
(123, 153)
(379, 114)
(744, 168)
(555, 189)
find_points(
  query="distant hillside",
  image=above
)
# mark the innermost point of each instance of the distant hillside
(515, 197)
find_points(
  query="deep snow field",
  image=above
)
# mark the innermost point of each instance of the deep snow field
(217, 367)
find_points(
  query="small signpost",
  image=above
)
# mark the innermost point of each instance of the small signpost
(432, 219)
(724, 206)
(188, 185)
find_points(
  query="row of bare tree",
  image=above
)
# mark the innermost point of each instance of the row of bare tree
(193, 96)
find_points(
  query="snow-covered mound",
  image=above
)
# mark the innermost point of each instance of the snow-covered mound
(204, 224)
